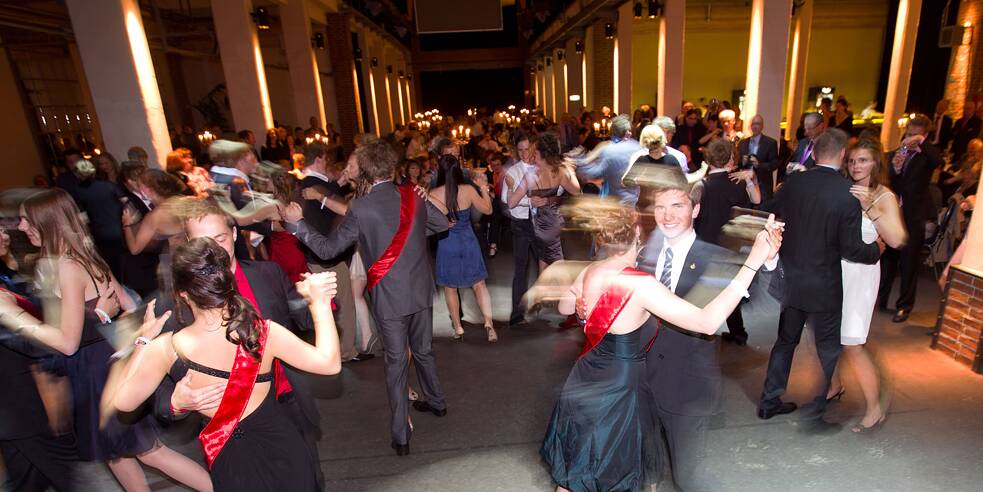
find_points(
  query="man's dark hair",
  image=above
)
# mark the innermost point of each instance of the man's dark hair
(244, 134)
(518, 137)
(131, 170)
(314, 150)
(829, 145)
(376, 160)
(718, 153)
(920, 121)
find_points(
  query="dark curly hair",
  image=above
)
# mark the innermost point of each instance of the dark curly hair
(548, 147)
(202, 272)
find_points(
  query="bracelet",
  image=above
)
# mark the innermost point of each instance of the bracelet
(175, 411)
(749, 268)
(141, 341)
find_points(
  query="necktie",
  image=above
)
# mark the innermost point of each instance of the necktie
(805, 156)
(666, 277)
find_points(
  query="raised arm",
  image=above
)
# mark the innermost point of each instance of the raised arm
(64, 334)
(481, 199)
(139, 234)
(852, 246)
(569, 182)
(886, 215)
(324, 247)
(324, 357)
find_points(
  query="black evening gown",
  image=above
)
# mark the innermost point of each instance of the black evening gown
(547, 225)
(595, 438)
(266, 450)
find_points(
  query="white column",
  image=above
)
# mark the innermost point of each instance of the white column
(242, 63)
(120, 73)
(672, 27)
(560, 89)
(575, 76)
(902, 55)
(550, 89)
(801, 36)
(767, 49)
(622, 60)
(305, 80)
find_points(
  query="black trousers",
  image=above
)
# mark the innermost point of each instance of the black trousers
(735, 322)
(826, 326)
(522, 237)
(907, 261)
(38, 462)
(685, 438)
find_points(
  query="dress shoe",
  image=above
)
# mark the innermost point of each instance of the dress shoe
(517, 320)
(363, 356)
(901, 316)
(424, 406)
(785, 407)
(401, 449)
(739, 339)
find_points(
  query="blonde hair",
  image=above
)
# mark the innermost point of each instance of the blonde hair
(727, 114)
(225, 153)
(652, 137)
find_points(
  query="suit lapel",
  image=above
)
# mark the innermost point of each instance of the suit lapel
(256, 282)
(696, 264)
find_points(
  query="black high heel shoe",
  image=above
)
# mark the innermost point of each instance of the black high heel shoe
(837, 397)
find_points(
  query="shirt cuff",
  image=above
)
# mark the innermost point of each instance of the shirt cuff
(771, 264)
(292, 228)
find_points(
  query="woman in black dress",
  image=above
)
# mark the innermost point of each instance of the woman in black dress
(249, 442)
(595, 439)
(85, 291)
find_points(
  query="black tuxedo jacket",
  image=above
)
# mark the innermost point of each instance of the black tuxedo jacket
(683, 370)
(800, 149)
(22, 413)
(944, 130)
(822, 226)
(911, 185)
(139, 271)
(371, 223)
(321, 219)
(767, 155)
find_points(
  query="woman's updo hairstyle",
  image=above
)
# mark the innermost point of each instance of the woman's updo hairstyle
(202, 272)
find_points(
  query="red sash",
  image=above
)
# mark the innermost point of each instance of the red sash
(407, 211)
(607, 309)
(241, 380)
(242, 285)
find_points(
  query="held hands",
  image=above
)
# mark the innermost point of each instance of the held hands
(767, 243)
(582, 308)
(129, 217)
(312, 194)
(538, 201)
(109, 302)
(318, 288)
(185, 397)
(152, 324)
(863, 194)
(738, 176)
(293, 213)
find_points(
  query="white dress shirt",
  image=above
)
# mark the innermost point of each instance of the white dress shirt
(517, 172)
(752, 145)
(679, 253)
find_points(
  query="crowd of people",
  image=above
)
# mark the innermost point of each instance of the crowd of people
(148, 291)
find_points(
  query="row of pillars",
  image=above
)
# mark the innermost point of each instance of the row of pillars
(774, 31)
(121, 79)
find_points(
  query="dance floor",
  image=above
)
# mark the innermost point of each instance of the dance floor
(500, 397)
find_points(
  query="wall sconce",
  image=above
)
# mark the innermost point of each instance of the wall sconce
(375, 62)
(262, 18)
(401, 75)
(559, 55)
(637, 10)
(539, 67)
(655, 9)
(967, 33)
(549, 61)
(318, 41)
(609, 31)
(409, 76)
(357, 54)
(579, 47)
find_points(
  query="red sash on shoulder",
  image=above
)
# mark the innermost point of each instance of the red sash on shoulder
(280, 378)
(241, 380)
(607, 309)
(407, 211)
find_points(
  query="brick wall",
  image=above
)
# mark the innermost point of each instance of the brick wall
(965, 80)
(961, 319)
(602, 92)
(340, 52)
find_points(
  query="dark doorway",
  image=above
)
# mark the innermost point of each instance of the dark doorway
(453, 92)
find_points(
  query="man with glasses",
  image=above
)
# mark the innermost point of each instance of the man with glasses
(813, 126)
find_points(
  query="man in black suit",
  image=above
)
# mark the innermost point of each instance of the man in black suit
(813, 125)
(965, 129)
(323, 216)
(402, 300)
(910, 170)
(683, 381)
(760, 152)
(822, 227)
(941, 131)
(139, 271)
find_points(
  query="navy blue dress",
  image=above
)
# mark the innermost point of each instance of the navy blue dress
(595, 438)
(459, 260)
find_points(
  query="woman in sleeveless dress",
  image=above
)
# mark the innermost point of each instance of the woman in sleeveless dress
(262, 449)
(595, 439)
(881, 219)
(552, 177)
(459, 260)
(86, 292)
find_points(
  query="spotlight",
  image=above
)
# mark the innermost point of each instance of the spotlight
(609, 31)
(559, 55)
(549, 61)
(389, 69)
(318, 41)
(262, 18)
(579, 47)
(655, 9)
(401, 75)
(375, 62)
(532, 70)
(357, 54)
(637, 10)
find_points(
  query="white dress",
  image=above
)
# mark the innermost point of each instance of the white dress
(860, 284)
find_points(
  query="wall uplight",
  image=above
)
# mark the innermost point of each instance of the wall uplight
(574, 97)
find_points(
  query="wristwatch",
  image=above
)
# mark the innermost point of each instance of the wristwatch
(141, 341)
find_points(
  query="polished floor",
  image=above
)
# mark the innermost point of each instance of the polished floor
(500, 397)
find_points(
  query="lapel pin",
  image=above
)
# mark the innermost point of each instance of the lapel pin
(692, 266)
